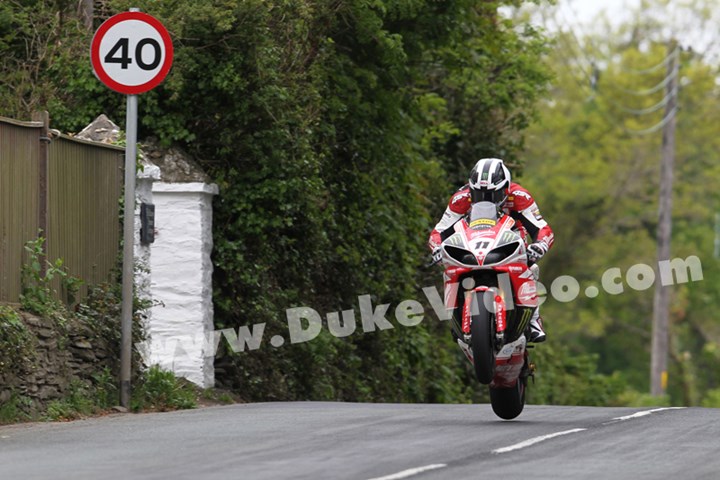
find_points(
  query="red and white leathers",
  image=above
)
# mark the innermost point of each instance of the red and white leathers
(520, 205)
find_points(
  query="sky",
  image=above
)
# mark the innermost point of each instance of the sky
(683, 26)
(578, 13)
(586, 10)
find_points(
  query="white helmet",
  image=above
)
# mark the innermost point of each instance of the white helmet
(489, 181)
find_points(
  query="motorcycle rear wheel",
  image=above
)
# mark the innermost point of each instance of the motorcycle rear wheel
(482, 331)
(508, 403)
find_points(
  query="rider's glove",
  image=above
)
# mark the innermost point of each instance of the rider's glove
(535, 271)
(437, 254)
(535, 251)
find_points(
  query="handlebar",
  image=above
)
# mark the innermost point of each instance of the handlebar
(431, 264)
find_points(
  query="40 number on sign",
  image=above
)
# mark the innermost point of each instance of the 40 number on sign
(122, 48)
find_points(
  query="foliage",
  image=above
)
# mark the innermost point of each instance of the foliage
(16, 343)
(597, 183)
(568, 378)
(712, 399)
(336, 131)
(633, 398)
(15, 409)
(327, 126)
(37, 294)
(156, 390)
(160, 390)
(85, 399)
(216, 396)
(101, 313)
(105, 389)
(97, 319)
(45, 64)
(78, 403)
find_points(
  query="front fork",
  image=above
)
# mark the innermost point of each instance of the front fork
(498, 309)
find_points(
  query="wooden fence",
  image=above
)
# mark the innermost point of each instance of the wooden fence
(67, 188)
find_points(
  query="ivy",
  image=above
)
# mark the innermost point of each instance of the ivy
(335, 131)
(16, 343)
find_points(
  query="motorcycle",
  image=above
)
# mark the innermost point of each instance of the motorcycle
(491, 288)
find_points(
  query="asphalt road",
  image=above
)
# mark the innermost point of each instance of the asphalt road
(370, 441)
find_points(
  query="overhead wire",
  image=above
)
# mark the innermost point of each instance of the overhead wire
(568, 62)
(591, 42)
(593, 77)
(656, 127)
(648, 110)
(592, 81)
(589, 39)
(597, 51)
(574, 36)
(663, 83)
(663, 63)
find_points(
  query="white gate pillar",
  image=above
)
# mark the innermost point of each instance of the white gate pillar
(182, 281)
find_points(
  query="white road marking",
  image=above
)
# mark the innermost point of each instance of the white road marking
(535, 440)
(532, 441)
(646, 412)
(410, 472)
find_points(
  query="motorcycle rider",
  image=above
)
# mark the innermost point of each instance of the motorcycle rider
(490, 181)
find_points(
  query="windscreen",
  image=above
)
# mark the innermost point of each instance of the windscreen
(483, 215)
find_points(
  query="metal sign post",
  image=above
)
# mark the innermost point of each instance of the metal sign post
(131, 53)
(128, 277)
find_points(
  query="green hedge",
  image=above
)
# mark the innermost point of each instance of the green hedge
(335, 130)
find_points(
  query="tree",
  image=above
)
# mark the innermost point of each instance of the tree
(332, 129)
(593, 160)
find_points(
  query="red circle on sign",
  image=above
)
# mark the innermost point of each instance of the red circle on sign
(98, 65)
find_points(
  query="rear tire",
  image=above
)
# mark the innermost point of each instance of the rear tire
(482, 332)
(508, 403)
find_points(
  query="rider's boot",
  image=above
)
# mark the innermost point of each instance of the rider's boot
(537, 333)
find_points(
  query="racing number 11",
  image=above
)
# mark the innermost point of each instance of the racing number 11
(124, 59)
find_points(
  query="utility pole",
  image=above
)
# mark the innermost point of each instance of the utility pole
(661, 301)
(716, 253)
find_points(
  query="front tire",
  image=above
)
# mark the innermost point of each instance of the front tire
(508, 403)
(482, 332)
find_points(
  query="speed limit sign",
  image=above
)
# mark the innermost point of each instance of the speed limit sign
(131, 52)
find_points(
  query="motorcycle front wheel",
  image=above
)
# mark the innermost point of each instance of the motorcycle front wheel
(508, 403)
(482, 331)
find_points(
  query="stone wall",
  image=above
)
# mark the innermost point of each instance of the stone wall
(56, 359)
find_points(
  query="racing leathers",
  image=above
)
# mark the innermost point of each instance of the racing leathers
(521, 206)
